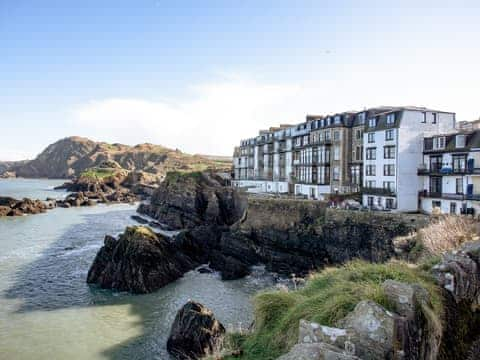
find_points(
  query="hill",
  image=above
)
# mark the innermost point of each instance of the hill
(71, 156)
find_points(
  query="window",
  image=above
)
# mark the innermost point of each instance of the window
(337, 119)
(436, 185)
(389, 134)
(390, 119)
(372, 122)
(358, 153)
(434, 118)
(361, 118)
(371, 153)
(439, 143)
(371, 183)
(336, 152)
(459, 185)
(436, 163)
(436, 204)
(424, 117)
(359, 134)
(389, 152)
(460, 141)
(370, 170)
(370, 201)
(336, 135)
(356, 174)
(389, 185)
(459, 163)
(389, 170)
(327, 135)
(390, 203)
(371, 137)
(453, 208)
(336, 173)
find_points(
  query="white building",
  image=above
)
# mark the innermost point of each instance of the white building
(450, 173)
(393, 149)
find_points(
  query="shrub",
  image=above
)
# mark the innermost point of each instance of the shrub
(448, 232)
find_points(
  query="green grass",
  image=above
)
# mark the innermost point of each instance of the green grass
(327, 297)
(97, 173)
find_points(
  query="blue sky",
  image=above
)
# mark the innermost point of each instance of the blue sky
(200, 75)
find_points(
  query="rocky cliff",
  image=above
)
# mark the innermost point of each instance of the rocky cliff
(288, 236)
(71, 156)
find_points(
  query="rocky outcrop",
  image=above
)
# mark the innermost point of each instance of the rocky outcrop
(13, 207)
(195, 333)
(71, 156)
(139, 261)
(288, 236)
(189, 200)
(317, 351)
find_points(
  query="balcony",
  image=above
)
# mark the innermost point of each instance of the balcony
(449, 196)
(378, 191)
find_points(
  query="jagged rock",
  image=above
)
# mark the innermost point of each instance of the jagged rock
(140, 261)
(229, 267)
(373, 327)
(316, 351)
(12, 207)
(139, 219)
(186, 201)
(195, 332)
(459, 273)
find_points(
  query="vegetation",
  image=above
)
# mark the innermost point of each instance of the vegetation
(447, 233)
(98, 173)
(327, 297)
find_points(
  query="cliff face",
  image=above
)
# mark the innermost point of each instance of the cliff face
(288, 236)
(71, 156)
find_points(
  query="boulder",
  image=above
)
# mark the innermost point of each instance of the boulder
(140, 261)
(5, 210)
(372, 329)
(195, 333)
(317, 351)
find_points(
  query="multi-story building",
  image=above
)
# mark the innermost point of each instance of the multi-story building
(393, 146)
(450, 173)
(376, 151)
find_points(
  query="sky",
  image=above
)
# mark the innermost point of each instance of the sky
(202, 75)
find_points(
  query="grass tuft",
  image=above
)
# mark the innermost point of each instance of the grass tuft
(327, 297)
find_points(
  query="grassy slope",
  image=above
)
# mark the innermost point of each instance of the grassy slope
(327, 297)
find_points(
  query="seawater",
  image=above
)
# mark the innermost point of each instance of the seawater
(47, 311)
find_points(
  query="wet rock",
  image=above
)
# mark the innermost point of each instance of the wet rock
(195, 333)
(317, 351)
(13, 207)
(4, 210)
(230, 268)
(139, 219)
(140, 261)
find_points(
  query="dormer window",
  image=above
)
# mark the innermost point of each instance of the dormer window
(391, 119)
(337, 119)
(460, 141)
(439, 143)
(361, 118)
(372, 122)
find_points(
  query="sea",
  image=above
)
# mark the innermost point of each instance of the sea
(48, 311)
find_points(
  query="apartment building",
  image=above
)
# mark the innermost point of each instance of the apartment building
(450, 173)
(393, 147)
(376, 151)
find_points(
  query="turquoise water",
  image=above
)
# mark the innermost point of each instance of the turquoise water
(47, 311)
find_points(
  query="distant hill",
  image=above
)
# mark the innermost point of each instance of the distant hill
(71, 156)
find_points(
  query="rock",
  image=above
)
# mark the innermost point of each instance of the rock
(459, 273)
(188, 200)
(373, 327)
(140, 261)
(195, 333)
(229, 267)
(204, 270)
(7, 201)
(4, 210)
(316, 351)
(139, 219)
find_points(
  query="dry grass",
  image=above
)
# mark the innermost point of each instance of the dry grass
(448, 232)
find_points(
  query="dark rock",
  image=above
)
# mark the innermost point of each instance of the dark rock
(229, 267)
(195, 333)
(140, 261)
(204, 270)
(7, 201)
(139, 219)
(4, 210)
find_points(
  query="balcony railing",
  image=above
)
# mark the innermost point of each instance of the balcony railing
(446, 170)
(449, 196)
(378, 191)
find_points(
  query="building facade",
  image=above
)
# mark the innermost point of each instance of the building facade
(376, 152)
